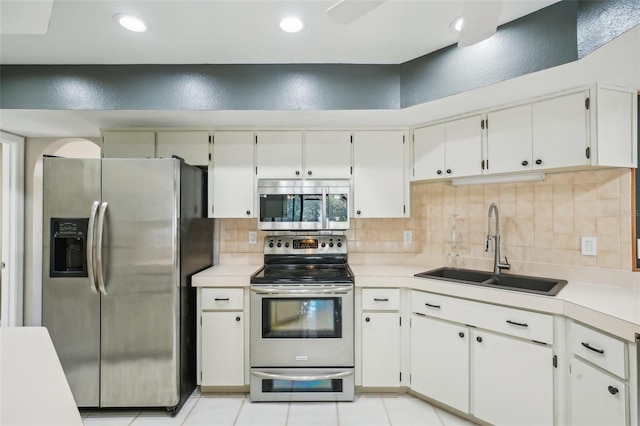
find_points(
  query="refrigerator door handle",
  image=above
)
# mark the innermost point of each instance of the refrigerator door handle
(100, 271)
(91, 229)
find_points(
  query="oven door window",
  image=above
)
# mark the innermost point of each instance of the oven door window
(291, 208)
(302, 318)
(329, 385)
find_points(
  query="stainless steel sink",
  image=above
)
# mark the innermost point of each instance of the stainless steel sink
(523, 283)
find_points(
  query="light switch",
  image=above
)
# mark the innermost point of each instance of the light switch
(589, 246)
(407, 237)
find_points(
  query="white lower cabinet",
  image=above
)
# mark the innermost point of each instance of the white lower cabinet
(221, 337)
(512, 380)
(597, 398)
(381, 349)
(440, 361)
(223, 349)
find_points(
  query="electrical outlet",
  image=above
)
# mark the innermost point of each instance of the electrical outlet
(253, 237)
(589, 246)
(407, 237)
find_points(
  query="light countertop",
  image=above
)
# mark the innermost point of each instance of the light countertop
(33, 385)
(614, 309)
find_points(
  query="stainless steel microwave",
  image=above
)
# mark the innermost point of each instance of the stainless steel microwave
(303, 204)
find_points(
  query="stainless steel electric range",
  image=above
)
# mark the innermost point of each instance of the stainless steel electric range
(302, 327)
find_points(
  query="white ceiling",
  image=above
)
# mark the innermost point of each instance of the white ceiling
(232, 31)
(618, 62)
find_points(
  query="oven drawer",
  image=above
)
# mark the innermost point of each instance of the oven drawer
(222, 299)
(380, 299)
(302, 384)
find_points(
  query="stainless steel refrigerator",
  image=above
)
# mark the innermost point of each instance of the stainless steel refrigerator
(122, 238)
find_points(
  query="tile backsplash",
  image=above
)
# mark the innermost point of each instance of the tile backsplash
(540, 222)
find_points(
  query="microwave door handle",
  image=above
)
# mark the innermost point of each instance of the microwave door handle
(309, 378)
(324, 214)
(99, 267)
(91, 229)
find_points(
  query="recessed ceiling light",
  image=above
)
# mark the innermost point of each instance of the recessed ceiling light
(130, 22)
(457, 24)
(291, 24)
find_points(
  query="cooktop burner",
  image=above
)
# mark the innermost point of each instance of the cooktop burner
(281, 274)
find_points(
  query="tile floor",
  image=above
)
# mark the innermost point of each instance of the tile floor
(218, 410)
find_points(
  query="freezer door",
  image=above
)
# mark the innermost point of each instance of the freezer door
(140, 303)
(70, 308)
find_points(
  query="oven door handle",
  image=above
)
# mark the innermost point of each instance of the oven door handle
(272, 376)
(276, 290)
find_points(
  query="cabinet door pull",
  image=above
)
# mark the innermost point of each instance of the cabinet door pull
(519, 324)
(525, 163)
(375, 299)
(221, 299)
(439, 172)
(613, 390)
(237, 318)
(309, 173)
(479, 339)
(461, 334)
(538, 162)
(432, 306)
(448, 171)
(588, 346)
(367, 319)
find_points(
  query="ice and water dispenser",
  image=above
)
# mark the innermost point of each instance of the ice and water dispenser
(68, 247)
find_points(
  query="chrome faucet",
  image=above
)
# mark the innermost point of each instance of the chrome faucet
(493, 242)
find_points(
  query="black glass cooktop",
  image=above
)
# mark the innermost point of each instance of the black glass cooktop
(306, 274)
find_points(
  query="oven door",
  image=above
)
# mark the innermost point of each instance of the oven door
(302, 325)
(302, 384)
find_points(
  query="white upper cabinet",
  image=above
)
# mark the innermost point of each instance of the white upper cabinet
(231, 175)
(509, 137)
(428, 152)
(463, 147)
(613, 142)
(279, 154)
(192, 146)
(129, 144)
(378, 174)
(327, 155)
(560, 131)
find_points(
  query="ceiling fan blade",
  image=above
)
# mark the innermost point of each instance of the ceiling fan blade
(346, 11)
(480, 21)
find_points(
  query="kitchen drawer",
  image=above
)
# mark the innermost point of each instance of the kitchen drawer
(439, 306)
(516, 322)
(380, 299)
(222, 299)
(598, 348)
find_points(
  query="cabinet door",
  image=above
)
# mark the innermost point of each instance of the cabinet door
(509, 140)
(327, 155)
(512, 380)
(378, 174)
(616, 128)
(193, 147)
(232, 175)
(560, 132)
(440, 361)
(428, 152)
(596, 398)
(381, 349)
(463, 147)
(129, 145)
(279, 155)
(222, 357)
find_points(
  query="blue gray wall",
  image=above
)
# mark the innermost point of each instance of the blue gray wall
(553, 36)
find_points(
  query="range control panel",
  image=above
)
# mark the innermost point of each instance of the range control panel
(316, 244)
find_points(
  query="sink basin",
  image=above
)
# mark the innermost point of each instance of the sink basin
(523, 283)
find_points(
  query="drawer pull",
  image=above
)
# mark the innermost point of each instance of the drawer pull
(613, 390)
(380, 300)
(432, 306)
(588, 346)
(221, 299)
(519, 324)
